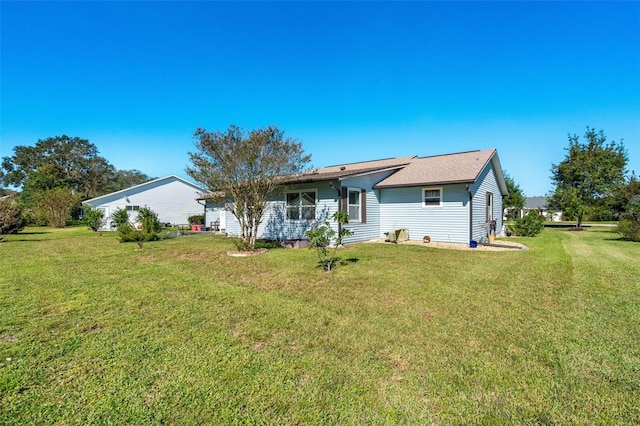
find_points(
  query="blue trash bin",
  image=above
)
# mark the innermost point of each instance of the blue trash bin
(473, 244)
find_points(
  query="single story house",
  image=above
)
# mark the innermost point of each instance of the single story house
(171, 197)
(540, 204)
(448, 198)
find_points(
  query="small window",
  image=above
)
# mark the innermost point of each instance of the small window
(301, 205)
(354, 205)
(132, 208)
(432, 197)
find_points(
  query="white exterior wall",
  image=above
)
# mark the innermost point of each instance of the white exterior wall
(173, 200)
(487, 182)
(403, 208)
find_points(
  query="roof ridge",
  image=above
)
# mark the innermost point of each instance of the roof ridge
(455, 153)
(369, 161)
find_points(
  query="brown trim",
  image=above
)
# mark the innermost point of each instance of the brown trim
(344, 201)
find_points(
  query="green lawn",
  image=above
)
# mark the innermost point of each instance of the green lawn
(97, 332)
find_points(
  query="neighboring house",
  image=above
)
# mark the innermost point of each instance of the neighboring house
(172, 198)
(450, 198)
(540, 204)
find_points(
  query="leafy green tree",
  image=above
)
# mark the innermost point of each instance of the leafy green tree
(54, 206)
(68, 162)
(590, 172)
(245, 169)
(75, 161)
(93, 218)
(515, 200)
(122, 179)
(320, 238)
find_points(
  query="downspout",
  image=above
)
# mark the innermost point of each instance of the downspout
(470, 212)
(204, 210)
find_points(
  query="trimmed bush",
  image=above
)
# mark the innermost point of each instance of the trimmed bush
(528, 226)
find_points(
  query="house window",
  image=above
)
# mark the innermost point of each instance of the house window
(132, 208)
(432, 197)
(354, 208)
(301, 205)
(489, 206)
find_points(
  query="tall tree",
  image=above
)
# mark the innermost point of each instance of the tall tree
(245, 169)
(516, 199)
(75, 161)
(591, 171)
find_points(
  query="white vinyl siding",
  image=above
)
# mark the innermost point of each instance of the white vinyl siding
(171, 198)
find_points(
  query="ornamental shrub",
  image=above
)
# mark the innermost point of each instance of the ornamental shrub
(120, 217)
(12, 219)
(629, 224)
(93, 218)
(149, 228)
(529, 225)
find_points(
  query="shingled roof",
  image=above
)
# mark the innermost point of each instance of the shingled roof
(351, 169)
(463, 167)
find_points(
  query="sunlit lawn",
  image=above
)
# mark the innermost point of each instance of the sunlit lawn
(93, 331)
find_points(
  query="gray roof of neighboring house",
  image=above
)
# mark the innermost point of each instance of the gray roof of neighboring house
(535, 203)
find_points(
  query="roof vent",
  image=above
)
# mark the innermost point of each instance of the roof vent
(342, 168)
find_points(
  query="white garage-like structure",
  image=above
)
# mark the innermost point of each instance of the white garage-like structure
(174, 199)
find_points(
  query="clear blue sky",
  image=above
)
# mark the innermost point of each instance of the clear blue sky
(353, 81)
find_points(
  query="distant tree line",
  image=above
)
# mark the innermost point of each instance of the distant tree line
(56, 174)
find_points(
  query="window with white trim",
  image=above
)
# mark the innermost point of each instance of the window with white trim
(355, 206)
(301, 205)
(132, 208)
(431, 197)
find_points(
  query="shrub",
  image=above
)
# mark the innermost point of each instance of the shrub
(196, 219)
(12, 219)
(320, 239)
(149, 230)
(54, 206)
(93, 218)
(629, 224)
(529, 225)
(120, 217)
(149, 220)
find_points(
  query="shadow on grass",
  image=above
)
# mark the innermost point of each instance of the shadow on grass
(337, 262)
